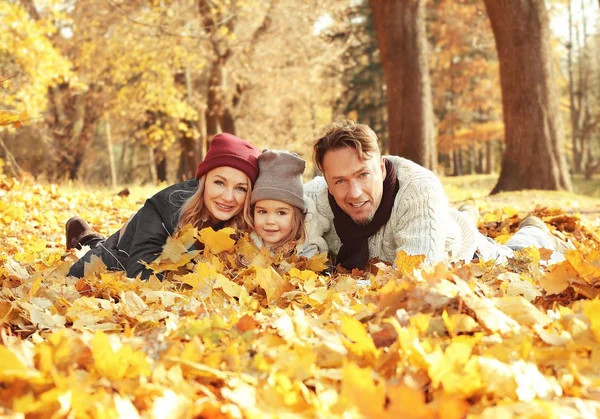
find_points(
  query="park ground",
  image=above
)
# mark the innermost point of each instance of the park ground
(245, 334)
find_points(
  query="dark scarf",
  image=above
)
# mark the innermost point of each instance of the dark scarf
(354, 252)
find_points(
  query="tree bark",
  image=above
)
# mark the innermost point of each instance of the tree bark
(402, 41)
(489, 157)
(533, 156)
(109, 152)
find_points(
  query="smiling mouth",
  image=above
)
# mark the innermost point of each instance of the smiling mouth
(270, 231)
(357, 205)
(224, 207)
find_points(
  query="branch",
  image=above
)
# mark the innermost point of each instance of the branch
(160, 28)
(15, 168)
(8, 78)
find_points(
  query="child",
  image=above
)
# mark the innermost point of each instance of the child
(279, 207)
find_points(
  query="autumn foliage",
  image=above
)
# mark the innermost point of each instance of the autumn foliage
(237, 332)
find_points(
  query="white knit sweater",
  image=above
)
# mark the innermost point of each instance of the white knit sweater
(421, 222)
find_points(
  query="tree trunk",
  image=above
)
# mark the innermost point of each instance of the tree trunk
(213, 101)
(400, 29)
(109, 152)
(152, 165)
(489, 157)
(533, 156)
(160, 159)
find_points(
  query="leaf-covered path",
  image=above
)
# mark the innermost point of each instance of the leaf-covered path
(244, 334)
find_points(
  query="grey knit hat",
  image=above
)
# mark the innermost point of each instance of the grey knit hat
(279, 178)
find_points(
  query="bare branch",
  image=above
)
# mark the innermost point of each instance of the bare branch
(8, 78)
(160, 28)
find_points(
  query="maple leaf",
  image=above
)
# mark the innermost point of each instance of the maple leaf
(175, 253)
(217, 241)
(12, 118)
(406, 264)
(361, 343)
(273, 284)
(359, 390)
(120, 364)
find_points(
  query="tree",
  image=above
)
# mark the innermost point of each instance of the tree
(533, 158)
(363, 98)
(465, 85)
(400, 28)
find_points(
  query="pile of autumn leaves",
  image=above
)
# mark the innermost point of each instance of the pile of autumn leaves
(236, 332)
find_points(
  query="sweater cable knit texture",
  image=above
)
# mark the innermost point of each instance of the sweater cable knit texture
(421, 222)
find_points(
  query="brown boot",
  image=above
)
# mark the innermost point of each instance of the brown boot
(78, 232)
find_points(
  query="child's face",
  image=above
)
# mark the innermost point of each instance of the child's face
(273, 220)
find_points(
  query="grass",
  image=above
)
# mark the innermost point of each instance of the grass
(463, 188)
(584, 200)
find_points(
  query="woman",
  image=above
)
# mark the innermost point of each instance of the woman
(219, 196)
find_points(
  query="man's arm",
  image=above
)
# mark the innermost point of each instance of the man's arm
(319, 218)
(421, 218)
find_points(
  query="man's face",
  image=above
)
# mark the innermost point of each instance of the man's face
(356, 185)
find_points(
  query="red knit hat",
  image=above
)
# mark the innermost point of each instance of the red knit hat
(229, 150)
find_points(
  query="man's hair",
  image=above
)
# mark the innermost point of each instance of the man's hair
(346, 133)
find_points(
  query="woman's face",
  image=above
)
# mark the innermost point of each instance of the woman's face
(225, 192)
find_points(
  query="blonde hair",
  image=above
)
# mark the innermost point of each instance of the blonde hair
(298, 232)
(194, 212)
(346, 133)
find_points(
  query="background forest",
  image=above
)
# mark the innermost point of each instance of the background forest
(115, 92)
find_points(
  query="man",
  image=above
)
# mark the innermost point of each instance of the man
(369, 206)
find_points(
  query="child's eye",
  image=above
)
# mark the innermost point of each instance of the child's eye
(281, 213)
(261, 211)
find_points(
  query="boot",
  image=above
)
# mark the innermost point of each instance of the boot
(78, 232)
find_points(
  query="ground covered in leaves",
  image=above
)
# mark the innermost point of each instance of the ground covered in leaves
(236, 332)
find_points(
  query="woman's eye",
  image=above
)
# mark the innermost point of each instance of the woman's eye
(219, 182)
(242, 189)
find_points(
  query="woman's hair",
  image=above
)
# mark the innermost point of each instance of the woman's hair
(298, 232)
(194, 212)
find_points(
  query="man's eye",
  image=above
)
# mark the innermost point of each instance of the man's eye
(339, 181)
(364, 174)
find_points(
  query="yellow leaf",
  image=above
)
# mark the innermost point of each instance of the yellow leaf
(217, 241)
(359, 389)
(35, 286)
(273, 284)
(231, 288)
(406, 264)
(361, 342)
(406, 402)
(117, 365)
(318, 262)
(592, 310)
(8, 118)
(558, 279)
